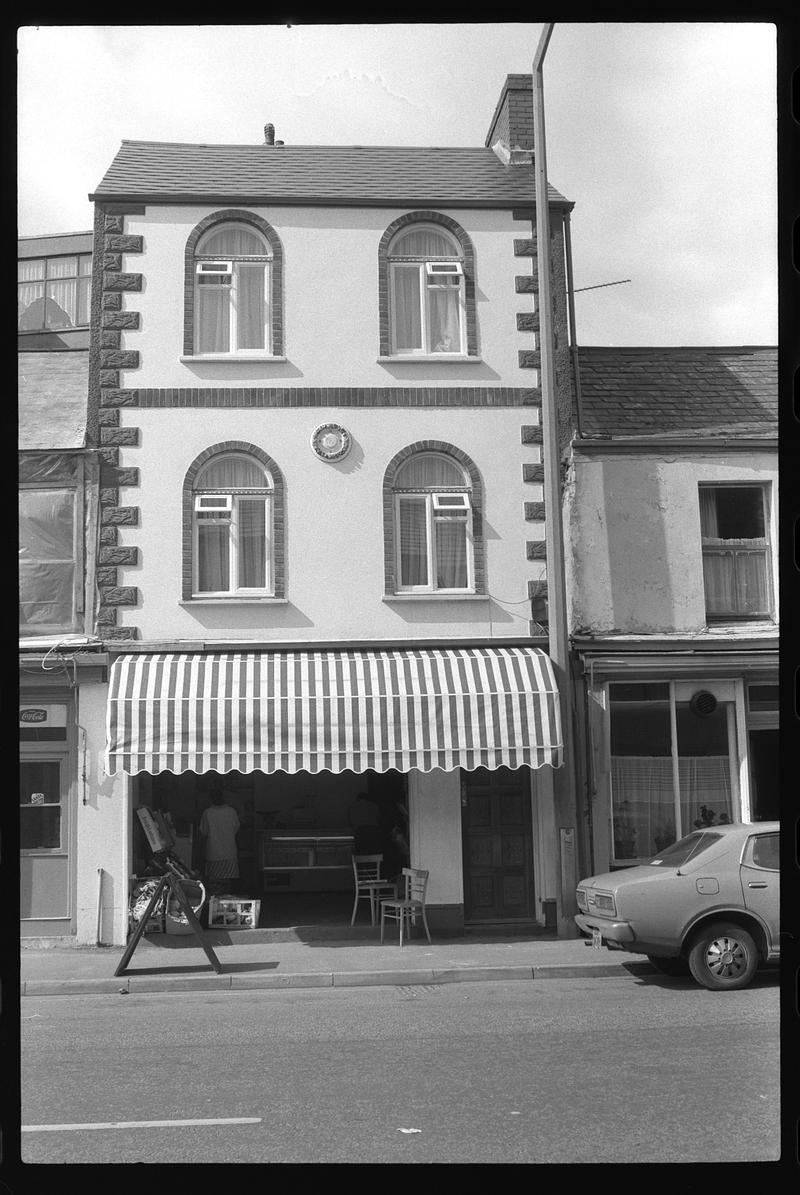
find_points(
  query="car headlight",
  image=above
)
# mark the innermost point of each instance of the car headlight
(583, 903)
(602, 900)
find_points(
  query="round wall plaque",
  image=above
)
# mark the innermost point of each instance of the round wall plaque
(331, 442)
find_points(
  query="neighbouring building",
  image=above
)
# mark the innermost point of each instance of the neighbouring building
(671, 516)
(67, 831)
(321, 567)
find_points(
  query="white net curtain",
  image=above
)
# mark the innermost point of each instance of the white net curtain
(232, 308)
(446, 556)
(644, 800)
(734, 550)
(53, 293)
(426, 308)
(232, 545)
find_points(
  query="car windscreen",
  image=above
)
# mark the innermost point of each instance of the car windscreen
(685, 849)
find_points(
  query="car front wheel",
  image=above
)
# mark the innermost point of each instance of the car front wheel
(723, 957)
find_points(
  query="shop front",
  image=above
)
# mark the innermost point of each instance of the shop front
(47, 788)
(428, 757)
(674, 744)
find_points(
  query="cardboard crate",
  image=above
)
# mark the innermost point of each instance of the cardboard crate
(233, 912)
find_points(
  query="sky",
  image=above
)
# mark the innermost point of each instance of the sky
(662, 134)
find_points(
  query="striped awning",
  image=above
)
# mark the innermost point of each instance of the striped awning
(315, 711)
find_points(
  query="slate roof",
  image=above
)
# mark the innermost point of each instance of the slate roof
(373, 175)
(679, 392)
(53, 399)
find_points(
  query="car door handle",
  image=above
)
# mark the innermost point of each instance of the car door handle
(756, 884)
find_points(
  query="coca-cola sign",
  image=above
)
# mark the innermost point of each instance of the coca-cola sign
(33, 715)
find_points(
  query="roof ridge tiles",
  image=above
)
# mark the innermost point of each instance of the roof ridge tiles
(481, 149)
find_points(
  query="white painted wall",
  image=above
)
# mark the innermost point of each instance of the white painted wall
(634, 538)
(334, 518)
(331, 301)
(434, 808)
(102, 829)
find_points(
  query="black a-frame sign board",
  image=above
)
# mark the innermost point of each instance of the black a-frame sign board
(172, 882)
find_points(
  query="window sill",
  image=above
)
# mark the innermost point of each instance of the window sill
(235, 601)
(435, 597)
(429, 358)
(232, 358)
(735, 620)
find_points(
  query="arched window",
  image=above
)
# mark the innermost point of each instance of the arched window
(232, 520)
(433, 525)
(427, 308)
(232, 288)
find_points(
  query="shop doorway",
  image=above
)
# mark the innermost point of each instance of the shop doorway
(764, 775)
(296, 839)
(497, 845)
(46, 778)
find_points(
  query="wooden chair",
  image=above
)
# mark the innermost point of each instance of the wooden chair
(405, 910)
(369, 885)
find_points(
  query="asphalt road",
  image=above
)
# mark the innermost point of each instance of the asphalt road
(605, 1070)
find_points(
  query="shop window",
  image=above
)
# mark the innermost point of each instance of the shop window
(763, 698)
(49, 581)
(671, 769)
(53, 293)
(40, 805)
(736, 561)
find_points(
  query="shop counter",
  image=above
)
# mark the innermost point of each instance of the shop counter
(307, 861)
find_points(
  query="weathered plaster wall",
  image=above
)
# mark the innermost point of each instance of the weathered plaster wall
(435, 820)
(634, 537)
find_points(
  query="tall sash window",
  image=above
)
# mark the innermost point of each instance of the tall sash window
(232, 287)
(426, 293)
(433, 526)
(232, 498)
(733, 527)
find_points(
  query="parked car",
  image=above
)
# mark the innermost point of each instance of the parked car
(708, 904)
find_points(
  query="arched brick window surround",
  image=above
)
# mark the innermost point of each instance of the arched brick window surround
(278, 511)
(478, 543)
(469, 275)
(229, 216)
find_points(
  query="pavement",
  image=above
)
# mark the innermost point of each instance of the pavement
(294, 958)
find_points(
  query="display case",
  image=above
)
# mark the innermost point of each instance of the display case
(307, 860)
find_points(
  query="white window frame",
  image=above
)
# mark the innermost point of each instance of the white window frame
(432, 499)
(428, 268)
(205, 265)
(228, 503)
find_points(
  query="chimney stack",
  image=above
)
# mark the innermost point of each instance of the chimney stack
(511, 131)
(269, 134)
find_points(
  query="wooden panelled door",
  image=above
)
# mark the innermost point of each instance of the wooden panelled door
(497, 845)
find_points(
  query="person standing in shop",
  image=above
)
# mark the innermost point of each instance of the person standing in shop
(219, 825)
(364, 817)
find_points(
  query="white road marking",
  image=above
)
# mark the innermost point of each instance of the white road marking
(135, 1124)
